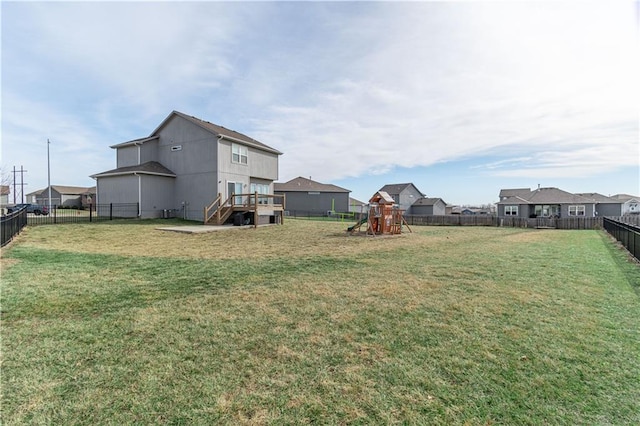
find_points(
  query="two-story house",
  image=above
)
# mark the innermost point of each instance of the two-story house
(403, 194)
(184, 165)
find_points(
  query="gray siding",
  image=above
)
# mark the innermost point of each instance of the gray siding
(157, 195)
(127, 156)
(609, 209)
(523, 210)
(316, 204)
(116, 189)
(149, 151)
(195, 166)
(203, 166)
(589, 209)
(438, 209)
(260, 164)
(407, 197)
(263, 165)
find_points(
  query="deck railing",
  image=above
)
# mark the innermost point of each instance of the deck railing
(219, 211)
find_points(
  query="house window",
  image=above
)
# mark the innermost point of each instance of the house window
(260, 189)
(546, 210)
(511, 210)
(239, 154)
(576, 210)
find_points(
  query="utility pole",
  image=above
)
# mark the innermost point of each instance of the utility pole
(49, 175)
(14, 185)
(22, 184)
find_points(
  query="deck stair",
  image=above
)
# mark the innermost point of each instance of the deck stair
(219, 211)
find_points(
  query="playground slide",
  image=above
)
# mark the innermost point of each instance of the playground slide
(359, 224)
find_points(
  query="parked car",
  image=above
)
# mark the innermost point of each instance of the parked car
(31, 208)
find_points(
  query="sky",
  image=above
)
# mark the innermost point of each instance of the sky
(460, 98)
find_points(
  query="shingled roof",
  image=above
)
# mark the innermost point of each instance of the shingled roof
(148, 168)
(206, 125)
(424, 201)
(397, 188)
(542, 196)
(301, 184)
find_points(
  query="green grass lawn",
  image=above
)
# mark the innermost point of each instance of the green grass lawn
(294, 324)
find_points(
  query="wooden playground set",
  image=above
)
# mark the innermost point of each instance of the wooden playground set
(382, 218)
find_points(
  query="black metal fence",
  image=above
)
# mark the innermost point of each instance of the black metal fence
(11, 225)
(91, 213)
(628, 235)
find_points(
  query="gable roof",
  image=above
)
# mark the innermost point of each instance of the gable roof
(515, 192)
(397, 188)
(424, 201)
(218, 131)
(148, 168)
(599, 198)
(544, 196)
(354, 202)
(625, 197)
(514, 200)
(139, 141)
(69, 190)
(555, 195)
(381, 197)
(301, 184)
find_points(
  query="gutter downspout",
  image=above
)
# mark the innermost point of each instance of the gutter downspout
(139, 194)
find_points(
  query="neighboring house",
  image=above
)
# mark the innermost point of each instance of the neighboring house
(630, 203)
(5, 190)
(307, 197)
(428, 207)
(404, 194)
(184, 164)
(32, 197)
(68, 196)
(605, 206)
(544, 202)
(89, 197)
(357, 206)
(515, 192)
(475, 210)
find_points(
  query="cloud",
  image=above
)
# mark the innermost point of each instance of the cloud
(343, 89)
(423, 94)
(73, 154)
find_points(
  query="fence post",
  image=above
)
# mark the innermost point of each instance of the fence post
(110, 211)
(90, 212)
(55, 214)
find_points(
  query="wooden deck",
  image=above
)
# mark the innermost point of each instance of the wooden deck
(218, 212)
